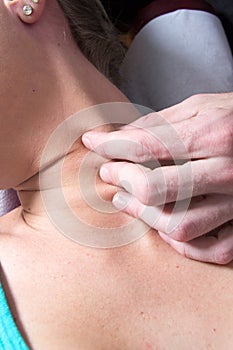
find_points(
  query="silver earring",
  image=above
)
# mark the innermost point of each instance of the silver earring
(27, 10)
(35, 1)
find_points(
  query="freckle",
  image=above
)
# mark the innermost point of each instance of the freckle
(177, 266)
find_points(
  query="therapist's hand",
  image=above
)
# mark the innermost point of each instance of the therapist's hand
(203, 124)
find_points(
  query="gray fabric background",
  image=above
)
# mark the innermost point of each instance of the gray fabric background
(123, 11)
(224, 9)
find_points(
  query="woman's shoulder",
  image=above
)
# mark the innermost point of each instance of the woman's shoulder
(7, 222)
(7, 232)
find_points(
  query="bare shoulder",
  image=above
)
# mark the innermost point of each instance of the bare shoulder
(7, 231)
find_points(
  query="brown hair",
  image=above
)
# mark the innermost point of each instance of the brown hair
(95, 35)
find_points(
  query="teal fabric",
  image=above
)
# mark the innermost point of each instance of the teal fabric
(10, 338)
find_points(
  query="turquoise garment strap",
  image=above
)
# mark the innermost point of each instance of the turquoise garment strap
(10, 338)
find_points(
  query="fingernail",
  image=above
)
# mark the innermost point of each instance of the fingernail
(104, 174)
(121, 200)
(86, 141)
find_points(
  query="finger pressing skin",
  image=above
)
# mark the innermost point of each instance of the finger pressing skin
(141, 144)
(218, 250)
(209, 134)
(153, 216)
(212, 249)
(202, 216)
(170, 183)
(131, 177)
(150, 187)
(127, 203)
(135, 144)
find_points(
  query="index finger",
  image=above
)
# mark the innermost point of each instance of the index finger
(132, 145)
(138, 144)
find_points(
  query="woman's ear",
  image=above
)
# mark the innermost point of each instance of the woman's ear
(29, 11)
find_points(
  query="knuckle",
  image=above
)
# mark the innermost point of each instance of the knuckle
(197, 98)
(228, 140)
(135, 180)
(124, 177)
(222, 132)
(140, 154)
(226, 174)
(145, 191)
(157, 188)
(141, 151)
(226, 163)
(103, 149)
(189, 137)
(135, 209)
(150, 117)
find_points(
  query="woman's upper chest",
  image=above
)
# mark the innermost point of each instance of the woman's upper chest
(138, 297)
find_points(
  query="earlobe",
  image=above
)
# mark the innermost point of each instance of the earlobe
(29, 11)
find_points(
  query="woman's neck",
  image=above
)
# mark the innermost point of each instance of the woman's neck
(64, 168)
